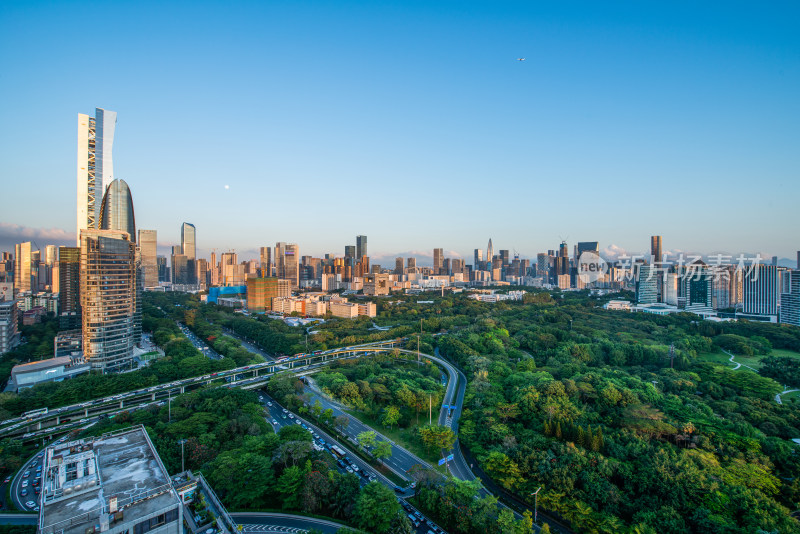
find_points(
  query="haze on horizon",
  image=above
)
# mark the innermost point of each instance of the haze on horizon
(414, 123)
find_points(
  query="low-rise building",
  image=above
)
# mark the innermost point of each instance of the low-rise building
(27, 375)
(9, 334)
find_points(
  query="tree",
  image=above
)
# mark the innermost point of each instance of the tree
(391, 416)
(437, 436)
(366, 438)
(382, 450)
(341, 422)
(376, 508)
(289, 484)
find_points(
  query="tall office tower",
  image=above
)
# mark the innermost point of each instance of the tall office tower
(69, 273)
(116, 212)
(95, 166)
(411, 265)
(203, 276)
(647, 285)
(188, 240)
(586, 246)
(349, 252)
(266, 262)
(446, 266)
(148, 245)
(671, 289)
(760, 290)
(698, 288)
(775, 261)
(563, 251)
(51, 255)
(287, 261)
(504, 257)
(438, 258)
(23, 268)
(398, 265)
(108, 299)
(176, 250)
(361, 246)
(542, 264)
(790, 300)
(213, 270)
(798, 259)
(180, 269)
(489, 251)
(478, 258)
(163, 269)
(655, 248)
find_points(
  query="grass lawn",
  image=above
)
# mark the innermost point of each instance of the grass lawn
(751, 361)
(404, 437)
(784, 352)
(789, 396)
(716, 357)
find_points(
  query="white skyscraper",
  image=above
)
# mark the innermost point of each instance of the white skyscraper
(95, 166)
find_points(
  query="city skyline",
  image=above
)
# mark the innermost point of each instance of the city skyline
(627, 108)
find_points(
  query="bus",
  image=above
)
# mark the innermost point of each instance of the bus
(34, 413)
(337, 452)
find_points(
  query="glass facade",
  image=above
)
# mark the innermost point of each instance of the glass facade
(116, 212)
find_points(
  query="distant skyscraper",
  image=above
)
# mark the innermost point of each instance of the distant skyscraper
(411, 264)
(361, 246)
(798, 259)
(504, 257)
(478, 258)
(398, 265)
(23, 268)
(350, 252)
(148, 246)
(108, 299)
(489, 251)
(647, 285)
(116, 212)
(542, 264)
(287, 261)
(163, 270)
(95, 165)
(266, 262)
(563, 250)
(438, 260)
(586, 246)
(188, 241)
(655, 248)
(760, 290)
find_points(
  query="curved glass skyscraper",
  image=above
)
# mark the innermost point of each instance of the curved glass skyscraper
(116, 212)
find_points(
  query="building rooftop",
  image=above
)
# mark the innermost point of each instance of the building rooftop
(42, 365)
(91, 484)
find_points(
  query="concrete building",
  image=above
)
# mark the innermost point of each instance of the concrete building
(760, 288)
(266, 262)
(790, 300)
(9, 333)
(23, 268)
(95, 166)
(189, 241)
(647, 285)
(115, 484)
(361, 246)
(262, 291)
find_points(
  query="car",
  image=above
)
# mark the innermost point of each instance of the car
(24, 483)
(304, 425)
(348, 469)
(299, 422)
(414, 520)
(7, 480)
(27, 474)
(398, 489)
(23, 492)
(274, 422)
(269, 404)
(355, 467)
(283, 416)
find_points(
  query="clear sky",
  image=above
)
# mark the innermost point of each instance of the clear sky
(413, 122)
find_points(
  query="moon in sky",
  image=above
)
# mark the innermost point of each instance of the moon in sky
(227, 187)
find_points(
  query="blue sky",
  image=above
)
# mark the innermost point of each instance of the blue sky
(413, 122)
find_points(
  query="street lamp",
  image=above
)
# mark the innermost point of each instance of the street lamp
(536, 505)
(183, 466)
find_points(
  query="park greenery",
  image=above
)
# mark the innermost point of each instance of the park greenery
(622, 422)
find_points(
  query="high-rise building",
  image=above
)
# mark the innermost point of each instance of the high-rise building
(180, 269)
(586, 246)
(504, 256)
(23, 268)
(350, 252)
(655, 248)
(647, 285)
(438, 257)
(95, 165)
(108, 294)
(478, 258)
(189, 240)
(266, 262)
(411, 265)
(287, 259)
(798, 259)
(563, 250)
(261, 291)
(790, 300)
(148, 244)
(116, 212)
(398, 265)
(163, 269)
(760, 290)
(698, 289)
(489, 251)
(69, 272)
(361, 246)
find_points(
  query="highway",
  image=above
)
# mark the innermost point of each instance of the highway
(280, 417)
(273, 523)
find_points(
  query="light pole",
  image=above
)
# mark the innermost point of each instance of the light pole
(536, 505)
(183, 466)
